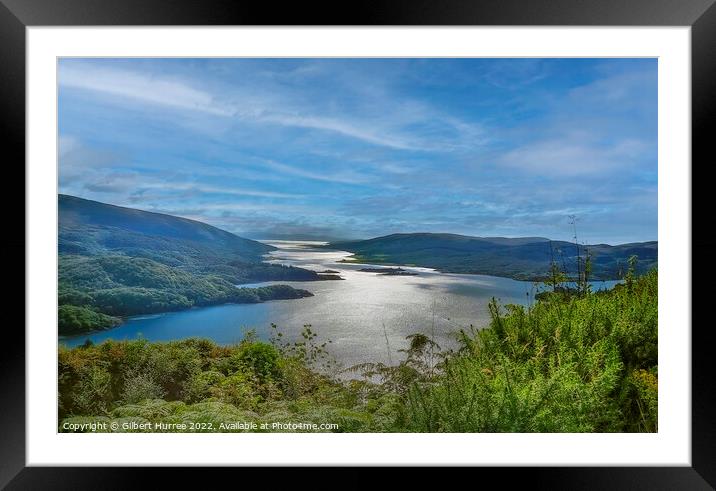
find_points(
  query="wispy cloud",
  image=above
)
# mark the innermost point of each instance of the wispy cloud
(228, 208)
(142, 87)
(514, 74)
(113, 182)
(360, 147)
(347, 177)
(343, 128)
(259, 106)
(569, 158)
(66, 144)
(174, 93)
(209, 189)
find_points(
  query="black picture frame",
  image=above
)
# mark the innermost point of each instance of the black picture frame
(17, 15)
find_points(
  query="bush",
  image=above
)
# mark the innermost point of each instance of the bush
(260, 358)
(198, 387)
(93, 392)
(239, 389)
(141, 386)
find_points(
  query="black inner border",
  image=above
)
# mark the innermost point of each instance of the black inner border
(16, 15)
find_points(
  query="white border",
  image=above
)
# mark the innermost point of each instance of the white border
(671, 446)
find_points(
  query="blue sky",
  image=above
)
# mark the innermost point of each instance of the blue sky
(357, 148)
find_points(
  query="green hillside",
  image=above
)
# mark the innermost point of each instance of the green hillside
(116, 261)
(524, 258)
(90, 228)
(144, 229)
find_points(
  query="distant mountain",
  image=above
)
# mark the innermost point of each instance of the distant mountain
(90, 227)
(116, 261)
(524, 258)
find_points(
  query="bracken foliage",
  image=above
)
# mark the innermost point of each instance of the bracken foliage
(581, 364)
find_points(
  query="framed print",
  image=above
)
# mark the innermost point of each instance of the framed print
(387, 242)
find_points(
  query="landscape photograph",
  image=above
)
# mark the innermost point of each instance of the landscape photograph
(375, 245)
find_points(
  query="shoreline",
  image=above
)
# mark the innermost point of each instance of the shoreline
(126, 319)
(327, 272)
(363, 261)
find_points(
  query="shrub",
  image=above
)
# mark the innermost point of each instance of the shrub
(92, 393)
(141, 386)
(199, 386)
(239, 389)
(260, 358)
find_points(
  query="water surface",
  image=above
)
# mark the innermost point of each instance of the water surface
(357, 314)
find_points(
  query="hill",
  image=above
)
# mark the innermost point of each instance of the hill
(523, 258)
(91, 228)
(116, 261)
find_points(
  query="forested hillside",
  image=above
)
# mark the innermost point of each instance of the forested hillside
(116, 261)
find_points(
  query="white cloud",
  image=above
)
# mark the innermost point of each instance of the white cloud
(226, 208)
(177, 94)
(208, 189)
(278, 108)
(621, 90)
(571, 158)
(66, 144)
(76, 160)
(141, 87)
(344, 128)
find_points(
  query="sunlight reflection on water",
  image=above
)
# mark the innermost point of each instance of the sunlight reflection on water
(351, 313)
